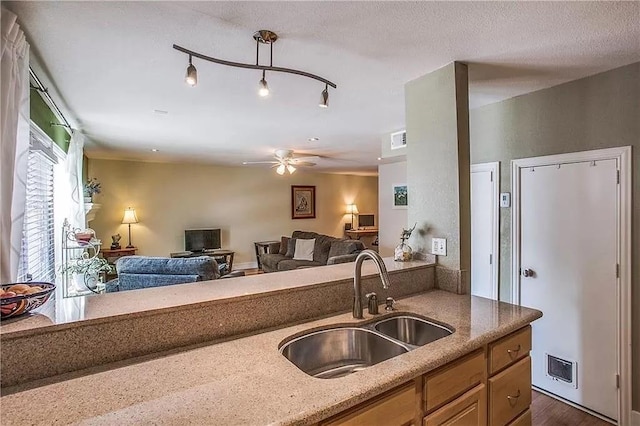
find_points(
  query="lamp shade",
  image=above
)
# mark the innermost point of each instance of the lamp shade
(352, 209)
(130, 216)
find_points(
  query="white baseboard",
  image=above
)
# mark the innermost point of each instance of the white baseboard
(245, 265)
(635, 418)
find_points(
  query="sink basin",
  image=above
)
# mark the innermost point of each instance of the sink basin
(337, 352)
(412, 330)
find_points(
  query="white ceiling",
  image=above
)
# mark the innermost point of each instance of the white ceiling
(112, 64)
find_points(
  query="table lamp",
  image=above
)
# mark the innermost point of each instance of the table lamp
(352, 209)
(129, 218)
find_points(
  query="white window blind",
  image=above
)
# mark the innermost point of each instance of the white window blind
(37, 260)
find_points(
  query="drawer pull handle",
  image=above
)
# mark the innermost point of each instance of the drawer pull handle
(515, 351)
(513, 398)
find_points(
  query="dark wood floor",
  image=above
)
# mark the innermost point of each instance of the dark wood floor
(546, 411)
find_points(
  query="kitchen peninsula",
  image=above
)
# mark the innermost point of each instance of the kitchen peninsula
(246, 380)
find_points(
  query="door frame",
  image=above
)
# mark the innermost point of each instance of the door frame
(623, 157)
(494, 168)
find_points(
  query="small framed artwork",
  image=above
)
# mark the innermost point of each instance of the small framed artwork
(303, 202)
(400, 196)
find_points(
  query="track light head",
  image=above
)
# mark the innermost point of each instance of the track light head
(324, 98)
(263, 87)
(291, 169)
(192, 74)
(280, 169)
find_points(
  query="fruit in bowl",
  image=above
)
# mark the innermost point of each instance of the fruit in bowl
(19, 298)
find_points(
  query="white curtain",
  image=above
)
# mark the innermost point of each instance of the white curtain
(74, 172)
(14, 142)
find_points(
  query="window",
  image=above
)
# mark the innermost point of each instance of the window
(37, 259)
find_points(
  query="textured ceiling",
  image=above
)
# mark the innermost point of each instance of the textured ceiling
(112, 64)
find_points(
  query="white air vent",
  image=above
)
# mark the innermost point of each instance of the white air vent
(399, 139)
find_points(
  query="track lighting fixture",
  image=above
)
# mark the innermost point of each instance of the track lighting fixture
(280, 169)
(261, 37)
(264, 87)
(291, 169)
(192, 74)
(324, 98)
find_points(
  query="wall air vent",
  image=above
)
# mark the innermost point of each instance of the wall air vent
(399, 139)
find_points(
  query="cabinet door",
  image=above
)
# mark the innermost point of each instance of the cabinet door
(468, 409)
(397, 408)
(510, 392)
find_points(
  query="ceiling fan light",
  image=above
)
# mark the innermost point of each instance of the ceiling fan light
(192, 74)
(291, 169)
(324, 98)
(263, 88)
(280, 169)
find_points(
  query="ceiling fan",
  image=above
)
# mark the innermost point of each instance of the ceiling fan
(284, 160)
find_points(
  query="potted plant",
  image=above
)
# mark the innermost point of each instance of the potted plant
(90, 188)
(86, 271)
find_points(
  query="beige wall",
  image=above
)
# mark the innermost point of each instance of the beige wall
(392, 221)
(597, 112)
(438, 163)
(248, 204)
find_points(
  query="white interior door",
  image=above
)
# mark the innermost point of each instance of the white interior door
(484, 230)
(568, 257)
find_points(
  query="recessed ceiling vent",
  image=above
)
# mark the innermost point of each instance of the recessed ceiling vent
(399, 139)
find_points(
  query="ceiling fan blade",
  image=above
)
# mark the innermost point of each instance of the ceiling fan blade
(260, 162)
(300, 160)
(304, 163)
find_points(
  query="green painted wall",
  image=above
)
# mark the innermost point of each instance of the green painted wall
(601, 111)
(42, 116)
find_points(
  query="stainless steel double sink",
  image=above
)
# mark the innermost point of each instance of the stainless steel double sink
(339, 351)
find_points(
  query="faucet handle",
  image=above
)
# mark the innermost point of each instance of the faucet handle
(389, 302)
(372, 303)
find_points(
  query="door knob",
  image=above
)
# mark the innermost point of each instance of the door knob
(527, 273)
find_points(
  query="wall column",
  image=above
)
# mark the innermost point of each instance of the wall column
(438, 170)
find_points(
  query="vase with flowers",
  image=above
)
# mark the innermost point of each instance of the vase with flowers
(91, 187)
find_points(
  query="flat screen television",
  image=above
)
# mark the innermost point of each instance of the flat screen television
(366, 220)
(201, 239)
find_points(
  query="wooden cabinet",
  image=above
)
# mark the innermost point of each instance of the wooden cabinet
(509, 349)
(491, 386)
(453, 380)
(395, 408)
(468, 409)
(510, 392)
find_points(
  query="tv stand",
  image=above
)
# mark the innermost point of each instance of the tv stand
(225, 255)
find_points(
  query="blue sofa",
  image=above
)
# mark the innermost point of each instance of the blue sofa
(137, 272)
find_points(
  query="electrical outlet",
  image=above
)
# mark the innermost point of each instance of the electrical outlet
(439, 246)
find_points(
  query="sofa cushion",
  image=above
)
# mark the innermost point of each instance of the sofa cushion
(284, 244)
(127, 281)
(291, 247)
(342, 247)
(290, 264)
(304, 249)
(204, 267)
(322, 246)
(270, 261)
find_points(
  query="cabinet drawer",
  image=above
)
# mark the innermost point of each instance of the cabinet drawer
(469, 409)
(447, 384)
(397, 408)
(510, 393)
(509, 349)
(523, 420)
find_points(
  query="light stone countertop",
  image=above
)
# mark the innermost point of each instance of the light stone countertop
(59, 312)
(247, 381)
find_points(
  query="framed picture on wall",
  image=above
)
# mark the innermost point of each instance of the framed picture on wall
(303, 202)
(400, 196)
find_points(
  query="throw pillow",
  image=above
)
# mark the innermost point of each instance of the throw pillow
(304, 249)
(291, 247)
(284, 245)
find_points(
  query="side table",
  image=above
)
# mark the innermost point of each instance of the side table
(112, 255)
(263, 247)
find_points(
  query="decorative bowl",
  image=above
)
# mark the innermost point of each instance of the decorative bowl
(12, 306)
(85, 235)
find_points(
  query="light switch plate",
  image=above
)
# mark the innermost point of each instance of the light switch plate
(505, 199)
(439, 246)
